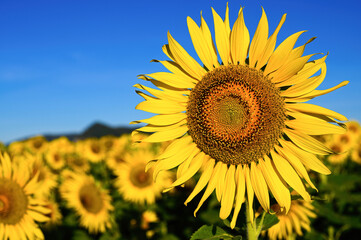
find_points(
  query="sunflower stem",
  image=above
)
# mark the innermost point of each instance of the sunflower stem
(252, 233)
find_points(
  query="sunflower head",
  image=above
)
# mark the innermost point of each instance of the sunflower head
(244, 118)
(19, 206)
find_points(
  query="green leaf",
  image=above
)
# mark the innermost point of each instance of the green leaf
(268, 221)
(211, 232)
(81, 235)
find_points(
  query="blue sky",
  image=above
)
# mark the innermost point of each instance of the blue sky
(65, 64)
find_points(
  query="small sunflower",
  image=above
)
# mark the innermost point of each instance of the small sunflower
(245, 117)
(115, 155)
(55, 158)
(55, 217)
(37, 144)
(341, 152)
(16, 148)
(76, 162)
(134, 183)
(298, 217)
(20, 209)
(91, 202)
(356, 153)
(91, 149)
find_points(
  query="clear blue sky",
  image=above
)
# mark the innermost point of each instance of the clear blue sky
(65, 64)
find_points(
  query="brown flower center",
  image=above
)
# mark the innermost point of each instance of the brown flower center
(13, 202)
(139, 177)
(91, 198)
(235, 114)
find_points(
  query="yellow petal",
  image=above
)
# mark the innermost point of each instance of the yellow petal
(270, 45)
(162, 119)
(280, 55)
(250, 193)
(316, 93)
(37, 216)
(198, 40)
(183, 168)
(315, 109)
(167, 135)
(172, 79)
(184, 59)
(304, 88)
(161, 106)
(203, 180)
(289, 175)
(6, 165)
(312, 125)
(175, 146)
(241, 188)
(222, 38)
(193, 168)
(167, 51)
(259, 40)
(278, 189)
(302, 77)
(310, 160)
(228, 193)
(287, 153)
(159, 94)
(221, 182)
(240, 40)
(173, 161)
(307, 142)
(176, 69)
(259, 186)
(298, 52)
(211, 185)
(155, 128)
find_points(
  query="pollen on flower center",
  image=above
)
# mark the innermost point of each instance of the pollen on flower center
(13, 202)
(235, 114)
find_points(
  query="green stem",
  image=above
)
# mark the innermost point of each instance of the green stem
(251, 227)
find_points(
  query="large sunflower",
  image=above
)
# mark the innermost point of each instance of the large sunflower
(91, 202)
(245, 117)
(20, 209)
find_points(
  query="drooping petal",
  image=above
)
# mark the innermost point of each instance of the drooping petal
(250, 193)
(241, 188)
(307, 142)
(260, 187)
(167, 135)
(203, 180)
(289, 175)
(220, 182)
(228, 193)
(315, 109)
(278, 189)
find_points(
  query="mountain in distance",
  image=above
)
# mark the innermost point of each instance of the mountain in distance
(96, 130)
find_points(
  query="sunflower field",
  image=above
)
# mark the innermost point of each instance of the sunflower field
(233, 150)
(97, 188)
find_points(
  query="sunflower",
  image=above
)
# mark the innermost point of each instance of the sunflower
(55, 158)
(115, 155)
(76, 162)
(37, 144)
(20, 209)
(245, 117)
(91, 149)
(91, 202)
(54, 215)
(356, 153)
(134, 183)
(298, 217)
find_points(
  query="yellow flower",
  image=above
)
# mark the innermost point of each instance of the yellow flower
(244, 118)
(147, 218)
(19, 208)
(76, 162)
(341, 151)
(54, 215)
(115, 156)
(134, 183)
(16, 148)
(354, 128)
(91, 202)
(356, 153)
(91, 149)
(55, 158)
(292, 222)
(36, 145)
